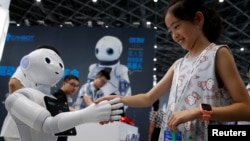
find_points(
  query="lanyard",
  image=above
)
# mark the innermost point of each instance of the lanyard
(195, 66)
(173, 136)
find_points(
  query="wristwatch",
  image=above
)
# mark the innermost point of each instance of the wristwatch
(206, 111)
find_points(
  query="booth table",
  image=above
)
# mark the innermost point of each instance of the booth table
(115, 131)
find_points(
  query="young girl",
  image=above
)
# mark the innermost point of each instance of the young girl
(206, 76)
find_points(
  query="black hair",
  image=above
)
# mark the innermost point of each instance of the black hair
(48, 47)
(104, 73)
(69, 77)
(186, 10)
(248, 68)
(156, 105)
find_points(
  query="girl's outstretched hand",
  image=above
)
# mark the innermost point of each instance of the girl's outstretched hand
(110, 97)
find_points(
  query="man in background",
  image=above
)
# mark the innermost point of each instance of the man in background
(90, 91)
(69, 87)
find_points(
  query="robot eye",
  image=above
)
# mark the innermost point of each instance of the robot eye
(110, 51)
(47, 60)
(60, 65)
(96, 51)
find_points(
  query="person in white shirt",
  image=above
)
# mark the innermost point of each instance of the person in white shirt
(90, 91)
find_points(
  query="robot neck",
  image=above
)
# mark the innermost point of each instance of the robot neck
(108, 63)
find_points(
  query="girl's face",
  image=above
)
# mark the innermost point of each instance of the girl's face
(183, 32)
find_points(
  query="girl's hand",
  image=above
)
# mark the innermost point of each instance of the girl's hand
(180, 117)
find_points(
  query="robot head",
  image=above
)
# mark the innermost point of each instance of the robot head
(43, 66)
(108, 48)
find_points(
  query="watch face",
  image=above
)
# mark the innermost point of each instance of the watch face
(206, 107)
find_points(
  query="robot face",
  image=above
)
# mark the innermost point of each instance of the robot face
(43, 66)
(108, 48)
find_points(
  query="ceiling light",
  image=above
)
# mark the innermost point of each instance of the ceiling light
(242, 49)
(136, 23)
(89, 23)
(100, 22)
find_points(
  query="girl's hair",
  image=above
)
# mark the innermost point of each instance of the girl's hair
(186, 10)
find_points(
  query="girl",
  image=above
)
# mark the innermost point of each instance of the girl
(207, 75)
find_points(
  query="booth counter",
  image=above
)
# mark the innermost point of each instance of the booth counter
(115, 131)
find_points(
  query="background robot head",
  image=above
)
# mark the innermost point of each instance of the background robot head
(108, 48)
(43, 66)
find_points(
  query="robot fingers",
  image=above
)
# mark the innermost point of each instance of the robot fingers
(116, 103)
(117, 106)
(116, 112)
(115, 100)
(115, 118)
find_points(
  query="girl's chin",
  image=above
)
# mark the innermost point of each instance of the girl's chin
(184, 47)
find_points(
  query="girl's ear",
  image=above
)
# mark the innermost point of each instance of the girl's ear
(199, 19)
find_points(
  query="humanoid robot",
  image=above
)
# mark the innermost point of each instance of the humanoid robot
(27, 106)
(108, 51)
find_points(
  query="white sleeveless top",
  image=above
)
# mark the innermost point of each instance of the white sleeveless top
(195, 82)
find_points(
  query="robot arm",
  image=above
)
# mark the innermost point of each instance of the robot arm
(93, 113)
(27, 109)
(124, 82)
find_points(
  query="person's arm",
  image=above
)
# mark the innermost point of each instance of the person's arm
(151, 129)
(146, 99)
(87, 99)
(71, 109)
(228, 72)
(14, 84)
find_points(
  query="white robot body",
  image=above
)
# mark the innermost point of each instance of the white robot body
(33, 72)
(27, 107)
(35, 122)
(44, 58)
(108, 48)
(119, 80)
(108, 51)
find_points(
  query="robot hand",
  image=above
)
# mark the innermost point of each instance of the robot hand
(115, 106)
(103, 111)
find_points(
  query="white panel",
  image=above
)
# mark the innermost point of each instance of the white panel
(5, 4)
(4, 25)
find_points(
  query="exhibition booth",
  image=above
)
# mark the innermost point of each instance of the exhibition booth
(115, 131)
